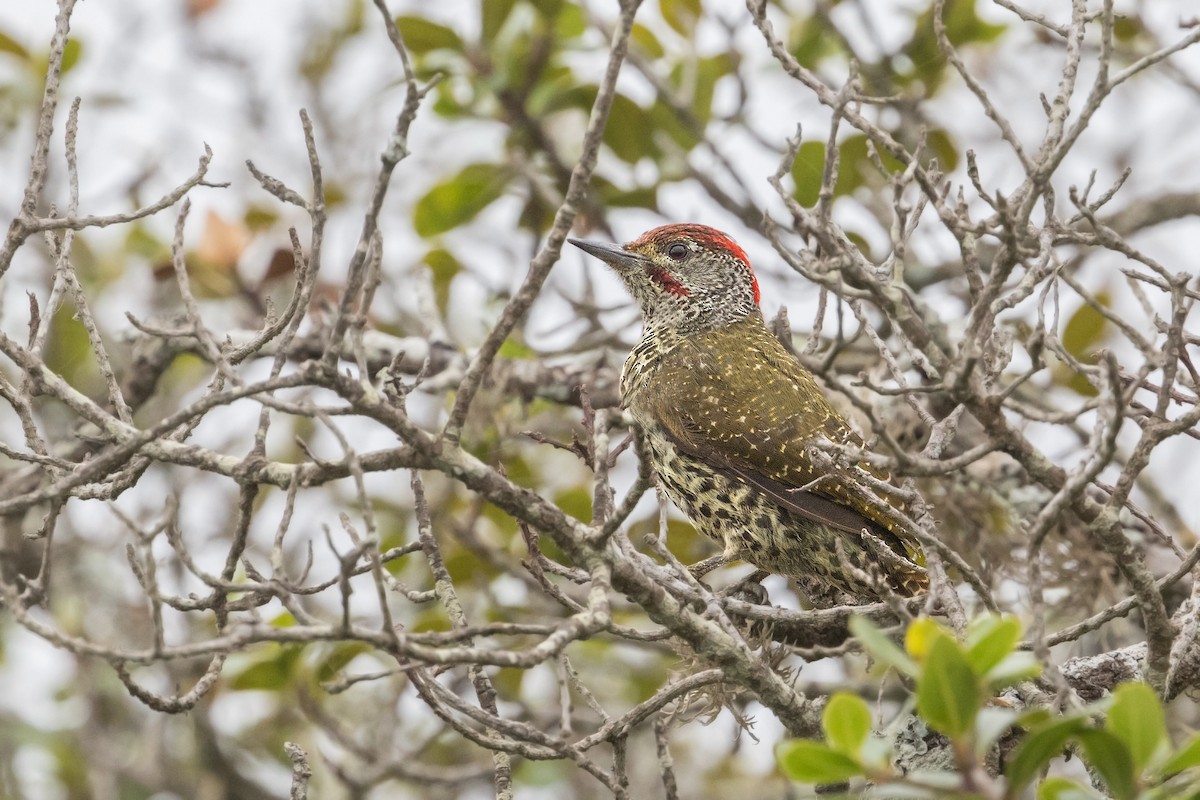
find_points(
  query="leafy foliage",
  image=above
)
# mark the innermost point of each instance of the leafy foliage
(1122, 737)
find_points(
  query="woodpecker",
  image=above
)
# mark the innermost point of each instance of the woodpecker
(730, 419)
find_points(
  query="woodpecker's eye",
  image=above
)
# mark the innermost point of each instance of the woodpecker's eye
(678, 251)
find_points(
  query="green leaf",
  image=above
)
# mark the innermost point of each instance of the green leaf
(807, 170)
(571, 23)
(708, 71)
(880, 647)
(72, 52)
(627, 129)
(856, 164)
(1083, 333)
(422, 36)
(680, 14)
(1126, 29)
(555, 97)
(13, 47)
(963, 24)
(1136, 718)
(939, 143)
(644, 38)
(1039, 748)
(513, 349)
(333, 662)
(443, 267)
(1062, 789)
(68, 349)
(928, 63)
(492, 15)
(457, 200)
(806, 761)
(272, 672)
(920, 636)
(576, 501)
(547, 8)
(847, 722)
(1085, 329)
(948, 692)
(1109, 756)
(989, 639)
(139, 240)
(1185, 757)
(809, 41)
(260, 217)
(864, 247)
(854, 168)
(1035, 719)
(1015, 667)
(664, 119)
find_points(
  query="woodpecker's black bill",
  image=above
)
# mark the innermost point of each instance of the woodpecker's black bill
(614, 255)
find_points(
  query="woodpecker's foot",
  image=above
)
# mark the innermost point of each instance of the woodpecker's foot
(749, 589)
(822, 595)
(702, 568)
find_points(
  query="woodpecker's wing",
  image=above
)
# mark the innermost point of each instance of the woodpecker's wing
(739, 401)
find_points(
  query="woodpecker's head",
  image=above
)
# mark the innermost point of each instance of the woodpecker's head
(691, 277)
